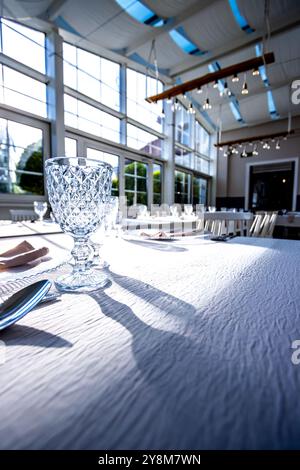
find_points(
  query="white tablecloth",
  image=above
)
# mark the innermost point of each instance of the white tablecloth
(188, 348)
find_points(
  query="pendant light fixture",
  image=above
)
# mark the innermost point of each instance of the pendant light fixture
(245, 90)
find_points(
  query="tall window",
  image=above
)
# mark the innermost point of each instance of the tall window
(199, 190)
(183, 126)
(21, 158)
(113, 160)
(202, 139)
(136, 182)
(157, 183)
(138, 87)
(92, 75)
(182, 187)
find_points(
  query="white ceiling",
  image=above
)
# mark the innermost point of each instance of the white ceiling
(211, 25)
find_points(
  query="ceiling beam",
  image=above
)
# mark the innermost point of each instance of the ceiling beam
(213, 76)
(170, 24)
(256, 138)
(291, 22)
(52, 10)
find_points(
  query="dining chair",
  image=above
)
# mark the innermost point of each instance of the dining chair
(19, 215)
(263, 225)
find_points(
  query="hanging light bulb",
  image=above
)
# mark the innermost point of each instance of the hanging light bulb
(176, 105)
(169, 99)
(255, 152)
(225, 88)
(277, 145)
(265, 145)
(245, 90)
(235, 78)
(215, 85)
(207, 104)
(191, 109)
(244, 153)
(255, 72)
(226, 153)
(199, 90)
(268, 146)
(221, 148)
(162, 114)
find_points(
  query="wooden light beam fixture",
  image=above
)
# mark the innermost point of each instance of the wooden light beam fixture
(250, 64)
(258, 138)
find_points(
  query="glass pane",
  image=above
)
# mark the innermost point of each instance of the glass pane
(202, 165)
(110, 158)
(23, 92)
(183, 157)
(183, 126)
(90, 119)
(23, 44)
(182, 187)
(136, 182)
(70, 61)
(143, 141)
(21, 158)
(88, 74)
(70, 147)
(138, 87)
(199, 190)
(157, 179)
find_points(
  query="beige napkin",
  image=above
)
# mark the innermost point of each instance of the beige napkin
(172, 234)
(21, 254)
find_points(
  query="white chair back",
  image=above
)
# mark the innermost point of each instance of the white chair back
(263, 225)
(18, 215)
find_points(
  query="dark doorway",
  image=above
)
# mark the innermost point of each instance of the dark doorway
(271, 186)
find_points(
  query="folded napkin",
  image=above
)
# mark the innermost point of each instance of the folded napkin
(21, 254)
(173, 234)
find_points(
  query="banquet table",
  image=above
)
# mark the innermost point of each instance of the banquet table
(189, 347)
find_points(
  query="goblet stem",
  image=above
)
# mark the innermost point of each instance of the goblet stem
(82, 253)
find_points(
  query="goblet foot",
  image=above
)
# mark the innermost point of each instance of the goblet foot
(82, 281)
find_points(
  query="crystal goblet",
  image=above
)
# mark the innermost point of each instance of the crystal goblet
(78, 189)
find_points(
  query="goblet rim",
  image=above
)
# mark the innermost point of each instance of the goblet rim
(53, 160)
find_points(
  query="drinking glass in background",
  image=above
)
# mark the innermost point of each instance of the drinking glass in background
(107, 229)
(78, 190)
(40, 208)
(174, 210)
(188, 209)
